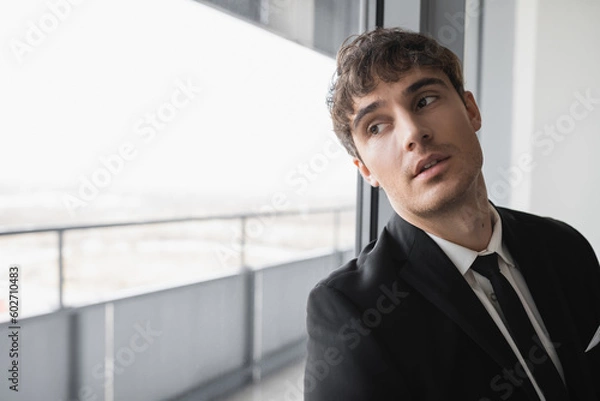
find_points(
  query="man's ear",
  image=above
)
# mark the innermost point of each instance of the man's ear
(472, 110)
(365, 172)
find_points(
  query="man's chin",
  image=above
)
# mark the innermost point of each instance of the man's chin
(440, 202)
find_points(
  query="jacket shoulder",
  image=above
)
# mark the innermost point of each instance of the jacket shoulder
(360, 279)
(562, 242)
(354, 269)
(548, 227)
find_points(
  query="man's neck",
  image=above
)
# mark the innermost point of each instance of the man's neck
(469, 227)
(468, 224)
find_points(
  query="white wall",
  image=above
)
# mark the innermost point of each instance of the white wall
(556, 137)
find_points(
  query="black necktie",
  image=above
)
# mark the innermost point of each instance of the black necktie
(521, 330)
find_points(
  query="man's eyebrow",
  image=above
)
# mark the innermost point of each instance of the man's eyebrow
(421, 83)
(366, 110)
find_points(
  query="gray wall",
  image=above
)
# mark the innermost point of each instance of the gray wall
(43, 346)
(202, 337)
(193, 342)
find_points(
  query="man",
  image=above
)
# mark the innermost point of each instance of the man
(457, 299)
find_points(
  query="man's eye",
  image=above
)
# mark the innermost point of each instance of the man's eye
(425, 101)
(375, 129)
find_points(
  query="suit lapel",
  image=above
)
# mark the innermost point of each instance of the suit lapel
(427, 269)
(539, 273)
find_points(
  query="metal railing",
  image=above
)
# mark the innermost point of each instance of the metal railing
(243, 217)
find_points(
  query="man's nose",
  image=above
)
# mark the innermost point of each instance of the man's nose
(414, 132)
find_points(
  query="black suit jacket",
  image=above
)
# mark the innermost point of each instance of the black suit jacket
(401, 323)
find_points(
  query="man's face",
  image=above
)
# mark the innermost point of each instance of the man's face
(416, 139)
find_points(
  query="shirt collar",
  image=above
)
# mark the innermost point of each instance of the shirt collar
(463, 257)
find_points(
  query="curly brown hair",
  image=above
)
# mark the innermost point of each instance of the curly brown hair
(383, 54)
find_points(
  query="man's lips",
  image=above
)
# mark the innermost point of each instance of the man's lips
(429, 162)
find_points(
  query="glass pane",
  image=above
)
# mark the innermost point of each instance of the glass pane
(180, 146)
(108, 263)
(195, 112)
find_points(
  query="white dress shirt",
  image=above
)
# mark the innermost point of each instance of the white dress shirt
(463, 258)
